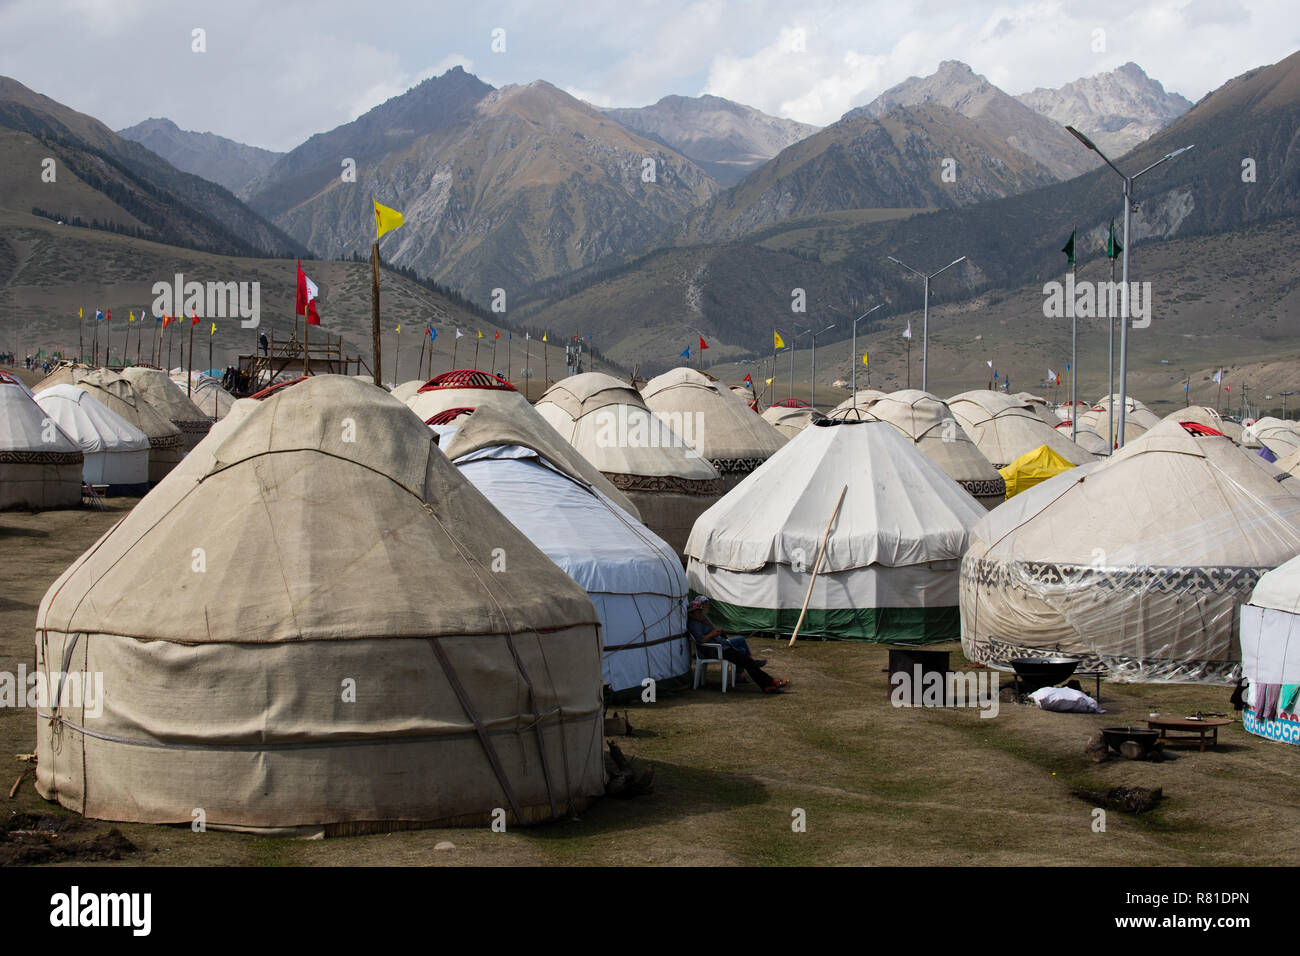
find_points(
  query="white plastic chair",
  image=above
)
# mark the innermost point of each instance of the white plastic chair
(701, 662)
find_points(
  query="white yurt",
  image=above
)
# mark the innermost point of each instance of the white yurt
(320, 697)
(166, 446)
(1280, 437)
(1085, 437)
(851, 408)
(171, 401)
(926, 420)
(607, 421)
(406, 390)
(116, 453)
(205, 392)
(1290, 463)
(1270, 655)
(717, 422)
(790, 420)
(631, 575)
(1136, 565)
(40, 465)
(891, 567)
(1137, 421)
(466, 388)
(1003, 428)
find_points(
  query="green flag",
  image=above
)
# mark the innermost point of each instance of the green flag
(1069, 249)
(1113, 248)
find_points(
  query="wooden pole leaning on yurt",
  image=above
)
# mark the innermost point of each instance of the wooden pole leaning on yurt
(821, 553)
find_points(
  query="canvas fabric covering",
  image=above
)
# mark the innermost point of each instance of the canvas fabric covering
(728, 430)
(331, 553)
(170, 400)
(1280, 437)
(607, 421)
(166, 446)
(1086, 437)
(1004, 428)
(115, 452)
(1032, 468)
(1137, 565)
(633, 577)
(1270, 628)
(789, 421)
(35, 472)
(896, 542)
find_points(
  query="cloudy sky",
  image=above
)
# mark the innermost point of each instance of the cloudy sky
(276, 71)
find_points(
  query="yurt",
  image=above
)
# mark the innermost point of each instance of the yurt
(1003, 428)
(407, 390)
(891, 564)
(788, 420)
(1033, 468)
(851, 409)
(1137, 421)
(927, 421)
(1085, 437)
(317, 698)
(670, 482)
(466, 388)
(166, 447)
(8, 378)
(40, 465)
(717, 422)
(632, 576)
(170, 400)
(1278, 436)
(115, 452)
(1270, 655)
(1039, 406)
(1136, 565)
(205, 392)
(1290, 463)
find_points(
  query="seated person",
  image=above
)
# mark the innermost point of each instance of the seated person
(734, 649)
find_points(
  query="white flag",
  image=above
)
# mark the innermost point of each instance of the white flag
(1218, 376)
(907, 332)
(311, 288)
(459, 334)
(1051, 376)
(527, 336)
(988, 362)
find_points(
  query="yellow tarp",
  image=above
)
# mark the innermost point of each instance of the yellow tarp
(1031, 468)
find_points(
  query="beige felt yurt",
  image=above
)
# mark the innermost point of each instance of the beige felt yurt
(289, 680)
(852, 408)
(790, 420)
(40, 464)
(1039, 406)
(717, 422)
(205, 392)
(1200, 414)
(116, 453)
(169, 399)
(670, 482)
(1085, 437)
(1290, 463)
(927, 421)
(1137, 421)
(1278, 436)
(1135, 565)
(890, 571)
(406, 390)
(1003, 428)
(166, 446)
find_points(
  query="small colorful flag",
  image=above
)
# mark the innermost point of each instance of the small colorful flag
(777, 341)
(213, 330)
(1068, 248)
(480, 333)
(498, 333)
(1113, 247)
(196, 317)
(431, 332)
(543, 336)
(1218, 376)
(399, 328)
(686, 352)
(864, 359)
(748, 381)
(907, 332)
(703, 344)
(460, 334)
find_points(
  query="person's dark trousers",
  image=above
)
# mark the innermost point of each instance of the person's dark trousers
(743, 660)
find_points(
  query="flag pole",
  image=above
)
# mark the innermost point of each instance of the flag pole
(510, 337)
(374, 315)
(306, 345)
(397, 357)
(476, 340)
(455, 348)
(138, 333)
(81, 340)
(169, 351)
(1074, 360)
(546, 367)
(189, 377)
(1110, 353)
(419, 365)
(773, 362)
(495, 339)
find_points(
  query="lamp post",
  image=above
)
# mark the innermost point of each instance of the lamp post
(854, 358)
(813, 384)
(1284, 395)
(925, 313)
(1124, 287)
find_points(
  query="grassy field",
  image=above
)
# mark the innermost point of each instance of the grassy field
(879, 785)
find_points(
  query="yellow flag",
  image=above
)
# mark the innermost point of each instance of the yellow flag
(480, 333)
(385, 219)
(777, 341)
(768, 382)
(213, 330)
(79, 315)
(864, 358)
(543, 336)
(399, 328)
(130, 316)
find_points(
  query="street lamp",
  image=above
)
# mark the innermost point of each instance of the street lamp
(1124, 288)
(854, 363)
(925, 313)
(814, 358)
(1284, 395)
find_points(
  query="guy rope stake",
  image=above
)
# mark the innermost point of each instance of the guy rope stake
(817, 566)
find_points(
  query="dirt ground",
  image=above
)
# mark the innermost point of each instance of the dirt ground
(877, 784)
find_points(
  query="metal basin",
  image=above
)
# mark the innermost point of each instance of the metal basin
(1036, 672)
(1141, 736)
